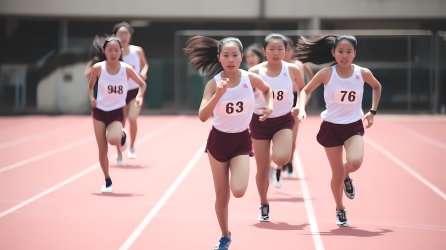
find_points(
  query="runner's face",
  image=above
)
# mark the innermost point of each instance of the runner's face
(289, 52)
(230, 57)
(112, 51)
(344, 53)
(275, 50)
(252, 59)
(124, 34)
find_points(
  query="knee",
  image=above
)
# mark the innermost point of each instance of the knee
(354, 164)
(282, 158)
(238, 193)
(132, 119)
(114, 140)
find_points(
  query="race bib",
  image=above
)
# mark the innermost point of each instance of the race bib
(114, 89)
(347, 96)
(235, 107)
(280, 95)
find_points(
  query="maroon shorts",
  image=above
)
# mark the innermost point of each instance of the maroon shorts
(108, 117)
(265, 130)
(333, 135)
(225, 146)
(131, 94)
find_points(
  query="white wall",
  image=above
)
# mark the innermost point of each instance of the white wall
(56, 95)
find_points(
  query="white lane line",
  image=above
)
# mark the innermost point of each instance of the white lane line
(163, 199)
(308, 203)
(32, 137)
(86, 171)
(48, 153)
(423, 137)
(404, 166)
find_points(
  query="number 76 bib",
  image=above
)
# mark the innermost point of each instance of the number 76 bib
(235, 107)
(347, 96)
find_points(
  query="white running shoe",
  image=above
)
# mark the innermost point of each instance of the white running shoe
(272, 172)
(105, 189)
(341, 218)
(278, 178)
(119, 160)
(290, 175)
(132, 153)
(124, 141)
(264, 213)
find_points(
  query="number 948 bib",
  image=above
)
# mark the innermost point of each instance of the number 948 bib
(347, 96)
(235, 107)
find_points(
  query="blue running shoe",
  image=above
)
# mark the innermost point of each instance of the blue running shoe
(224, 243)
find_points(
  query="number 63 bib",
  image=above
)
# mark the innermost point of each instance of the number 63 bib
(235, 107)
(347, 96)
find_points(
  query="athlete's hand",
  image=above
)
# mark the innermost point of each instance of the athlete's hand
(138, 101)
(266, 112)
(369, 117)
(222, 86)
(93, 103)
(295, 112)
(302, 115)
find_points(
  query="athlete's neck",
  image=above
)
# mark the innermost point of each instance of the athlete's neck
(345, 72)
(233, 76)
(274, 66)
(126, 50)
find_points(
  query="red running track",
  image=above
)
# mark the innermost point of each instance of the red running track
(53, 200)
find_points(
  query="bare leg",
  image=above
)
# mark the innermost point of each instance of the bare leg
(282, 143)
(101, 139)
(262, 156)
(354, 148)
(334, 155)
(132, 114)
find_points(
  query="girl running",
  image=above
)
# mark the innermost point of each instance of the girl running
(289, 58)
(133, 55)
(230, 97)
(254, 55)
(278, 128)
(342, 120)
(112, 76)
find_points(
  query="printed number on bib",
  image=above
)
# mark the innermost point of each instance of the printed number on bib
(115, 89)
(280, 95)
(347, 96)
(234, 108)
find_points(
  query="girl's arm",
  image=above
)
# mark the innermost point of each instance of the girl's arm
(371, 80)
(257, 82)
(321, 77)
(95, 74)
(89, 68)
(297, 78)
(144, 63)
(212, 94)
(142, 85)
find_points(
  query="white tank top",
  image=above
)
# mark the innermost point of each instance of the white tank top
(112, 89)
(233, 112)
(343, 98)
(282, 87)
(133, 59)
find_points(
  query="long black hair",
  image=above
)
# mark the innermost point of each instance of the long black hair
(123, 24)
(95, 52)
(317, 49)
(203, 53)
(275, 35)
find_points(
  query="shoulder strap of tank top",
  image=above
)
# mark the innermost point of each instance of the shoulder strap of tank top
(333, 72)
(261, 71)
(123, 67)
(246, 77)
(104, 66)
(285, 68)
(217, 77)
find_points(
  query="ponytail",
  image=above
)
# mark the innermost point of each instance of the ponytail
(203, 53)
(317, 49)
(95, 52)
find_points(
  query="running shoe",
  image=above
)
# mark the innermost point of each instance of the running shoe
(341, 218)
(290, 173)
(278, 179)
(119, 160)
(124, 141)
(349, 189)
(272, 171)
(107, 188)
(264, 212)
(132, 153)
(224, 242)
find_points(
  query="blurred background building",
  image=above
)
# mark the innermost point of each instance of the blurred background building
(45, 43)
